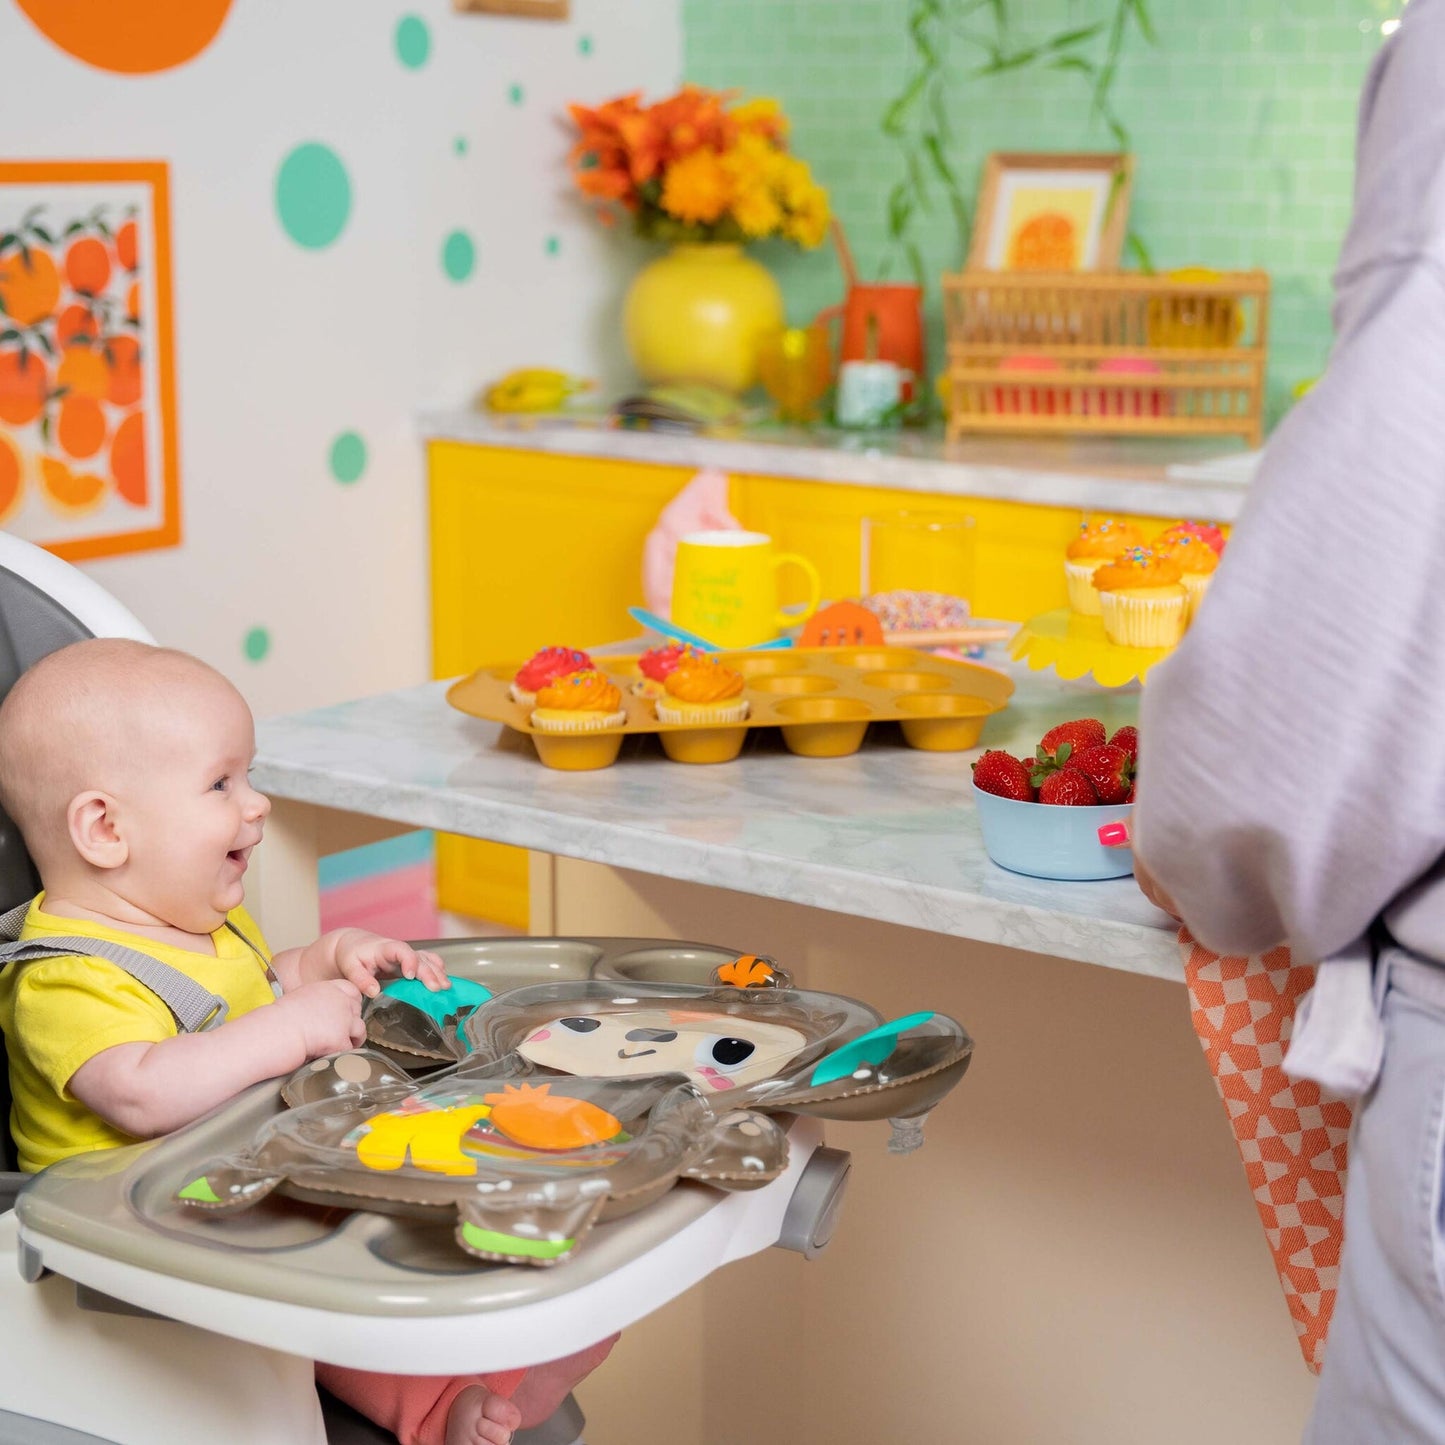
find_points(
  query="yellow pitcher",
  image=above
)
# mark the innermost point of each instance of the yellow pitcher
(725, 587)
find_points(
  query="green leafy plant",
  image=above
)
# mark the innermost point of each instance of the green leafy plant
(940, 32)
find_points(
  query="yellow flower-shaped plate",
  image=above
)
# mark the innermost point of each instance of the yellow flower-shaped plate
(1074, 646)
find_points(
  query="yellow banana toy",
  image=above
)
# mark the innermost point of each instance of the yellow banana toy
(532, 389)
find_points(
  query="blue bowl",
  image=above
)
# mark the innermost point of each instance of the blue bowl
(1047, 841)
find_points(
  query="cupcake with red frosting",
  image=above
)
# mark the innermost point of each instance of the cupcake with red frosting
(581, 702)
(656, 665)
(701, 690)
(545, 667)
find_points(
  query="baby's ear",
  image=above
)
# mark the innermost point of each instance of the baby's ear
(91, 822)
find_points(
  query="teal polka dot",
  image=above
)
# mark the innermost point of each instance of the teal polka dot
(584, 45)
(553, 245)
(257, 644)
(313, 195)
(348, 457)
(413, 41)
(516, 94)
(459, 145)
(458, 256)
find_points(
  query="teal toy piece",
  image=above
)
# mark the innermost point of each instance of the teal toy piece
(440, 1004)
(866, 1051)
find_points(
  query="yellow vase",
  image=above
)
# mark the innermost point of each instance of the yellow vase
(700, 313)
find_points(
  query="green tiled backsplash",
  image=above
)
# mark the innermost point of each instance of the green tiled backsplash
(1242, 119)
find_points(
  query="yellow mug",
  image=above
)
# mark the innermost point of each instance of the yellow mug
(725, 587)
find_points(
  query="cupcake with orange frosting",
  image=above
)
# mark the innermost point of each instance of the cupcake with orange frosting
(1098, 542)
(655, 665)
(1143, 599)
(701, 690)
(1205, 531)
(1197, 561)
(581, 702)
(544, 667)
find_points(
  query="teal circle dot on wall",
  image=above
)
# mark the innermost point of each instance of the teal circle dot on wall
(552, 245)
(313, 195)
(459, 145)
(348, 457)
(257, 644)
(516, 94)
(413, 41)
(584, 45)
(458, 256)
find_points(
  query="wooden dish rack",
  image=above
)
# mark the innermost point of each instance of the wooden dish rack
(1116, 353)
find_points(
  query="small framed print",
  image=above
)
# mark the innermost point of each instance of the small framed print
(1042, 212)
(88, 449)
(532, 9)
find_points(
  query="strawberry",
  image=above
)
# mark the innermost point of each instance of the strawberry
(1068, 788)
(1128, 739)
(1109, 769)
(1084, 732)
(1003, 774)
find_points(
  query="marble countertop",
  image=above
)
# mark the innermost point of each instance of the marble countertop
(1205, 477)
(888, 833)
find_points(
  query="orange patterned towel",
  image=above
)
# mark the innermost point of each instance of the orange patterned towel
(1291, 1137)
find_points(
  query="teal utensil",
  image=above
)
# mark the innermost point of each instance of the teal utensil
(691, 639)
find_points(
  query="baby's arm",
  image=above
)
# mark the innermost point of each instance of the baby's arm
(146, 1089)
(358, 956)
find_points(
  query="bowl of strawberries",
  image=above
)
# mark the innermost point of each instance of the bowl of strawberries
(1042, 815)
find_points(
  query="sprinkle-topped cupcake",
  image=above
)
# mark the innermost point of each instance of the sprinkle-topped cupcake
(1098, 542)
(1206, 533)
(544, 666)
(1197, 561)
(701, 690)
(655, 665)
(1143, 599)
(580, 702)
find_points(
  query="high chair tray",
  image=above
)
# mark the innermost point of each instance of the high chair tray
(380, 1292)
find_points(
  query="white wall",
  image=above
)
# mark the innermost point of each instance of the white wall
(279, 349)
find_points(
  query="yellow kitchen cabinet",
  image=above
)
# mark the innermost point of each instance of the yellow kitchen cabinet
(531, 549)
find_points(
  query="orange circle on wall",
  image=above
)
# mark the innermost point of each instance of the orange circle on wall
(131, 37)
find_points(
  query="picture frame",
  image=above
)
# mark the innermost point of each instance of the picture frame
(1039, 211)
(89, 451)
(528, 9)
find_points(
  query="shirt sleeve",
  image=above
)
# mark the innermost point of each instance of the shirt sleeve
(1293, 748)
(68, 1010)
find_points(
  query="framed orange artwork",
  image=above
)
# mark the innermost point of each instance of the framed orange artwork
(1043, 212)
(88, 457)
(532, 9)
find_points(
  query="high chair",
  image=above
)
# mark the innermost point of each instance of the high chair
(122, 1328)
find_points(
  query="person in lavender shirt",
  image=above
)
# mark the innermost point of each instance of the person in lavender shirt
(1293, 772)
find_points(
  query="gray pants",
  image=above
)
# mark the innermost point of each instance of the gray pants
(1384, 1373)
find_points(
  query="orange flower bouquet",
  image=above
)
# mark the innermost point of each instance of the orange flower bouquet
(698, 167)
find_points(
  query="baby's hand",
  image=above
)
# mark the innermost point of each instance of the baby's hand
(328, 1015)
(361, 957)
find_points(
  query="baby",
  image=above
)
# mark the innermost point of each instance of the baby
(126, 768)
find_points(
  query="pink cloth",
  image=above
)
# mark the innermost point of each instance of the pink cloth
(413, 1407)
(701, 506)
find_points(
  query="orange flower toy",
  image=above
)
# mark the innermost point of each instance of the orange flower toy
(707, 174)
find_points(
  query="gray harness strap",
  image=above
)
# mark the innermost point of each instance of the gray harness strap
(196, 1009)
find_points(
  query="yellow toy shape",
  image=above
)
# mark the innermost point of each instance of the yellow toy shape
(433, 1137)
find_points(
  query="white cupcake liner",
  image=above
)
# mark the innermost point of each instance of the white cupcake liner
(692, 712)
(583, 721)
(1196, 584)
(1144, 621)
(1079, 577)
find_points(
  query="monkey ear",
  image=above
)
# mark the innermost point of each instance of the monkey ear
(90, 819)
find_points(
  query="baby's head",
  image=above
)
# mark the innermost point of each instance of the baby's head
(125, 767)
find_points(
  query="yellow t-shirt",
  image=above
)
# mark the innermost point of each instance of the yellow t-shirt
(57, 1013)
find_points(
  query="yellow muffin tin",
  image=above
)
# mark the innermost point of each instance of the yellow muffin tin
(821, 698)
